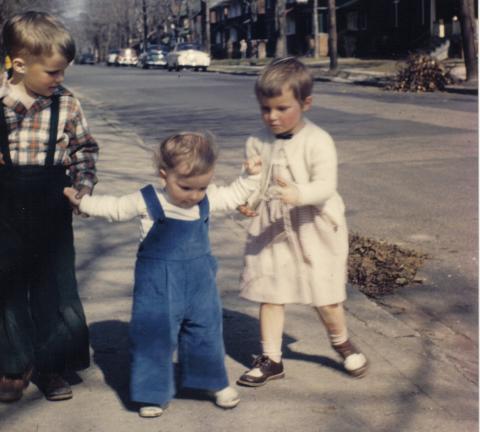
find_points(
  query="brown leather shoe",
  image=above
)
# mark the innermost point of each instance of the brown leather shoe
(11, 389)
(355, 363)
(268, 368)
(55, 387)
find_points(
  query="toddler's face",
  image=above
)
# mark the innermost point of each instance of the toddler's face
(185, 191)
(284, 113)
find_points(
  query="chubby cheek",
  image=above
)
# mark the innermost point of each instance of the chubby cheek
(289, 119)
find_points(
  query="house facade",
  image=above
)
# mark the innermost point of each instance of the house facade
(387, 28)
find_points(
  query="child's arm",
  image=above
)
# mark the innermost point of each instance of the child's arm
(227, 198)
(114, 209)
(82, 149)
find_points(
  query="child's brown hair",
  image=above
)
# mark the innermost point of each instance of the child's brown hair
(37, 34)
(197, 152)
(281, 72)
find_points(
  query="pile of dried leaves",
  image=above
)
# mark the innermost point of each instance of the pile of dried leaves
(422, 73)
(377, 267)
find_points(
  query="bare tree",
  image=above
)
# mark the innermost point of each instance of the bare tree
(332, 34)
(316, 49)
(467, 23)
(281, 24)
(10, 7)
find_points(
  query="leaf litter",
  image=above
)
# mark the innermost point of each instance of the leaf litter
(378, 268)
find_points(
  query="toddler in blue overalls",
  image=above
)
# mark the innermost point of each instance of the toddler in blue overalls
(176, 305)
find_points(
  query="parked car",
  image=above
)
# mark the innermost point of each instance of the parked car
(152, 59)
(87, 58)
(188, 55)
(112, 57)
(126, 57)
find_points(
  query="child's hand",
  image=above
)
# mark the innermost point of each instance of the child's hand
(246, 211)
(286, 191)
(253, 165)
(71, 194)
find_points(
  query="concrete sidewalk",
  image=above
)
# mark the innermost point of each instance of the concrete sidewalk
(411, 386)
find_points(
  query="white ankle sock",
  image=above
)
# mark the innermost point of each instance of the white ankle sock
(273, 350)
(338, 339)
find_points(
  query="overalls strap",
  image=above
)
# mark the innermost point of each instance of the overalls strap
(52, 141)
(204, 208)
(4, 137)
(153, 204)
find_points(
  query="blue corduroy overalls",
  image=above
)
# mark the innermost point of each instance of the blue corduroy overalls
(175, 305)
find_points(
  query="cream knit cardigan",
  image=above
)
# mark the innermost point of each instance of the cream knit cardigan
(323, 238)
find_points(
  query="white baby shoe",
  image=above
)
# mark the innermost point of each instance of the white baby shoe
(150, 411)
(226, 398)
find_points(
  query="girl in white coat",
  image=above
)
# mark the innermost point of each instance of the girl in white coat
(297, 245)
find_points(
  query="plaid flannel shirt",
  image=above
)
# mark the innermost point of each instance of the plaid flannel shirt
(28, 133)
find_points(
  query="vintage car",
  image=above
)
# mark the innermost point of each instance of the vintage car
(153, 58)
(112, 57)
(87, 58)
(188, 55)
(126, 57)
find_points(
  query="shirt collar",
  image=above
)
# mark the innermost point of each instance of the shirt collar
(41, 102)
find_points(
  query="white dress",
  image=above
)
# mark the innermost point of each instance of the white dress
(293, 254)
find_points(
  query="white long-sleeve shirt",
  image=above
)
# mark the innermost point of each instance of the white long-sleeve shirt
(127, 207)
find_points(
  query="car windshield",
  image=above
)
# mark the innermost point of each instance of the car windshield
(188, 46)
(127, 52)
(163, 48)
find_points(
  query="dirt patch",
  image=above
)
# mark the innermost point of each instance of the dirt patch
(378, 268)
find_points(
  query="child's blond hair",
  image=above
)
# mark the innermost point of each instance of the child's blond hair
(37, 34)
(197, 152)
(281, 72)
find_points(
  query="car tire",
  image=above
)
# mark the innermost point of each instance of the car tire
(204, 69)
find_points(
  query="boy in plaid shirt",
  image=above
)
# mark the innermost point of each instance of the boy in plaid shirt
(45, 145)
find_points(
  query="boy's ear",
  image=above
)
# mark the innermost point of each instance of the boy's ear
(307, 103)
(19, 65)
(162, 173)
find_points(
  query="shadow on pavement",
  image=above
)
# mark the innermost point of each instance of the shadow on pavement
(242, 342)
(109, 341)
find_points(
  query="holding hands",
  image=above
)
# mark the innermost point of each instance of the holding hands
(75, 197)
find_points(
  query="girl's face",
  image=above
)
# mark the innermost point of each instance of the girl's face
(185, 191)
(284, 113)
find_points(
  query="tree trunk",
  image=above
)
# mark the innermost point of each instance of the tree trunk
(316, 52)
(207, 27)
(467, 23)
(281, 21)
(332, 34)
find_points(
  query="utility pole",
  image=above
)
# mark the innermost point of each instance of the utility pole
(145, 30)
(332, 34)
(316, 48)
(467, 23)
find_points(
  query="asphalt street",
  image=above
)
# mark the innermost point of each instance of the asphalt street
(408, 169)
